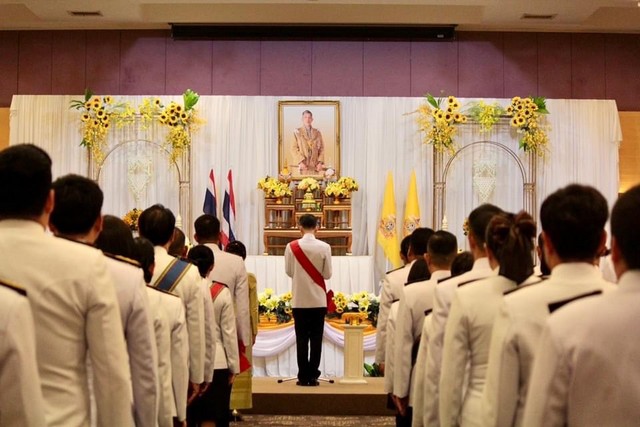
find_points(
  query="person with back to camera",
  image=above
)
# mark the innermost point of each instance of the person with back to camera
(308, 262)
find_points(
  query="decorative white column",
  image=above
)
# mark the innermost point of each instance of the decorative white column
(353, 355)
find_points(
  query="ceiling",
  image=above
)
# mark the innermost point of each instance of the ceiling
(494, 15)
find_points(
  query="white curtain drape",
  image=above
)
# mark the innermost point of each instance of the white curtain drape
(377, 135)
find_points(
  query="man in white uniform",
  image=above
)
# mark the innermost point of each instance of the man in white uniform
(308, 262)
(479, 218)
(573, 220)
(21, 402)
(77, 216)
(415, 300)
(585, 369)
(182, 279)
(392, 285)
(71, 295)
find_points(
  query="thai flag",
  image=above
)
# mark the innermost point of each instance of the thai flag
(211, 197)
(228, 213)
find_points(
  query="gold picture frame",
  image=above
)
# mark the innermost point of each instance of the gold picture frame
(292, 138)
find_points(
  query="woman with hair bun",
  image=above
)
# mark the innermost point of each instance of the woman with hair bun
(509, 244)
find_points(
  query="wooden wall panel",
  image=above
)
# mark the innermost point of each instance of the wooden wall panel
(387, 69)
(629, 150)
(34, 63)
(68, 62)
(236, 68)
(188, 66)
(587, 66)
(103, 61)
(623, 70)
(434, 68)
(9, 42)
(285, 68)
(554, 70)
(143, 57)
(481, 66)
(337, 68)
(520, 64)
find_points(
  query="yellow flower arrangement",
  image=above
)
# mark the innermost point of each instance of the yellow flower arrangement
(182, 120)
(98, 115)
(342, 187)
(359, 302)
(525, 116)
(487, 115)
(308, 184)
(272, 187)
(439, 121)
(150, 110)
(131, 218)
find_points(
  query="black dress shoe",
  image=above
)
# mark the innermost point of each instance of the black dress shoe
(302, 383)
(314, 383)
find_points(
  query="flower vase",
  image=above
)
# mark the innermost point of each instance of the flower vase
(279, 200)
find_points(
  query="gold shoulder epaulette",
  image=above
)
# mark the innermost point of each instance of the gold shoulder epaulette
(123, 259)
(14, 288)
(163, 291)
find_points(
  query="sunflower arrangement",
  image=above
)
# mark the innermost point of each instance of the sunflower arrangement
(182, 120)
(131, 218)
(308, 184)
(359, 302)
(270, 304)
(273, 187)
(98, 116)
(487, 115)
(438, 119)
(526, 117)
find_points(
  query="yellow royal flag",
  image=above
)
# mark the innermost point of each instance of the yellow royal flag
(387, 234)
(411, 208)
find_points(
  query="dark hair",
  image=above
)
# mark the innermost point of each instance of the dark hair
(145, 255)
(442, 248)
(202, 257)
(25, 181)
(479, 220)
(544, 267)
(78, 203)
(307, 112)
(419, 271)
(574, 218)
(116, 238)
(156, 223)
(176, 248)
(237, 248)
(207, 228)
(625, 226)
(462, 263)
(510, 239)
(308, 222)
(419, 240)
(404, 245)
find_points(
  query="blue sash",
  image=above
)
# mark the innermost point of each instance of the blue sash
(171, 275)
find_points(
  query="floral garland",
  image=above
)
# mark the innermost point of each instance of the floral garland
(525, 113)
(182, 120)
(487, 115)
(308, 184)
(98, 114)
(439, 122)
(131, 218)
(273, 187)
(342, 187)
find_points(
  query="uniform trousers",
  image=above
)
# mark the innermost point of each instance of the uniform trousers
(213, 404)
(309, 328)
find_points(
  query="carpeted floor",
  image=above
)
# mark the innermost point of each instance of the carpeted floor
(316, 421)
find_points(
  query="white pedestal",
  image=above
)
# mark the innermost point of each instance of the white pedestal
(353, 355)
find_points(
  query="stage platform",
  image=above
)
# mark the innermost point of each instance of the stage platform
(272, 398)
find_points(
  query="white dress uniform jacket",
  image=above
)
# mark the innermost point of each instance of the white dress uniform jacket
(75, 311)
(229, 269)
(209, 330)
(585, 371)
(466, 343)
(21, 402)
(516, 332)
(133, 302)
(390, 365)
(415, 299)
(306, 293)
(188, 289)
(225, 333)
(417, 385)
(442, 298)
(166, 402)
(390, 291)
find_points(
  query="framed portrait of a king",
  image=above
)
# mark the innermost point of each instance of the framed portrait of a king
(309, 138)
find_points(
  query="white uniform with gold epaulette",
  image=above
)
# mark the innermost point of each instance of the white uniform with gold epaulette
(209, 330)
(140, 337)
(21, 402)
(75, 312)
(390, 291)
(585, 370)
(188, 289)
(516, 333)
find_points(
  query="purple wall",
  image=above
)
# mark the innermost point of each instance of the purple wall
(478, 64)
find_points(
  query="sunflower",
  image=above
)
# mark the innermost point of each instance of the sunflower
(451, 99)
(527, 112)
(108, 100)
(85, 117)
(515, 99)
(520, 120)
(448, 117)
(100, 114)
(514, 122)
(157, 102)
(178, 108)
(183, 116)
(163, 118)
(439, 114)
(88, 105)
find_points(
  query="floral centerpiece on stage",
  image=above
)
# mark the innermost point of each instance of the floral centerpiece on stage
(438, 120)
(525, 113)
(308, 185)
(98, 115)
(273, 187)
(360, 302)
(271, 305)
(341, 188)
(487, 115)
(182, 121)
(131, 218)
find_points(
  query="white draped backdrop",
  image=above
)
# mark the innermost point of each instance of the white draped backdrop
(376, 136)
